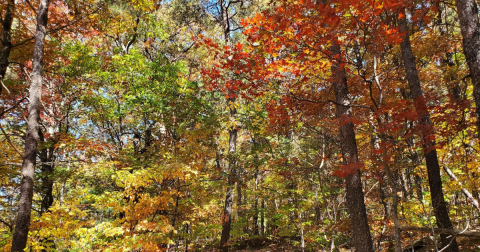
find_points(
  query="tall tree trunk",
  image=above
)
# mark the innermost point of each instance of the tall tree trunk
(469, 23)
(232, 142)
(262, 218)
(433, 168)
(456, 94)
(22, 224)
(355, 198)
(6, 39)
(227, 215)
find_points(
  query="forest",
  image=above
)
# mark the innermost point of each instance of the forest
(239, 125)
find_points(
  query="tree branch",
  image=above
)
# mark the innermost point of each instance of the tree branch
(330, 101)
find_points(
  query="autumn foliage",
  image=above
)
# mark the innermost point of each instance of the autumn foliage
(154, 113)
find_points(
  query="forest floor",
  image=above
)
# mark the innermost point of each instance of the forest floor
(256, 245)
(424, 244)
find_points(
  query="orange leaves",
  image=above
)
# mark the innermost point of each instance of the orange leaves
(278, 113)
(236, 70)
(238, 47)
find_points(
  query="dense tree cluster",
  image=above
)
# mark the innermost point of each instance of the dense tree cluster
(142, 125)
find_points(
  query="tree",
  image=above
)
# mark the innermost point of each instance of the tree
(32, 136)
(155, 115)
(354, 190)
(428, 139)
(470, 26)
(351, 166)
(6, 41)
(224, 15)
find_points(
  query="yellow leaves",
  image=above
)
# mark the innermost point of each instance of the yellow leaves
(421, 171)
(144, 5)
(60, 224)
(109, 230)
(190, 173)
(154, 226)
(11, 160)
(7, 247)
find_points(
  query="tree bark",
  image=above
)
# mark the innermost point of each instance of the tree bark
(22, 224)
(6, 39)
(355, 198)
(433, 167)
(48, 158)
(227, 217)
(469, 23)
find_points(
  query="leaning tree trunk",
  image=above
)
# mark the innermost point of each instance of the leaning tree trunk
(468, 14)
(6, 39)
(22, 224)
(355, 198)
(433, 168)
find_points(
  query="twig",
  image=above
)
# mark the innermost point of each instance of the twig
(5, 87)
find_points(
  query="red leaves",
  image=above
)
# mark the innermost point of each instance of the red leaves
(348, 169)
(421, 106)
(278, 113)
(237, 68)
(348, 119)
(287, 175)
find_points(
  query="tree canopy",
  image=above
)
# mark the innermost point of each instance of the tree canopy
(302, 125)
